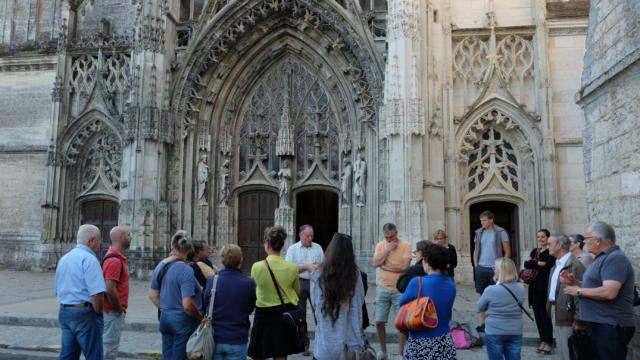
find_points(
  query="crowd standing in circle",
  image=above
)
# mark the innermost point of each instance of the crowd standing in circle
(589, 294)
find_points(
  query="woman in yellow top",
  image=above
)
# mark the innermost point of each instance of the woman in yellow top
(270, 337)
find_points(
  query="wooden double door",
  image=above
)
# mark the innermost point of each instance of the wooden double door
(256, 211)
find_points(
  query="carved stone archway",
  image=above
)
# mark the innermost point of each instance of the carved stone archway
(227, 145)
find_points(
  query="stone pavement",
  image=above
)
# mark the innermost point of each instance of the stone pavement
(28, 319)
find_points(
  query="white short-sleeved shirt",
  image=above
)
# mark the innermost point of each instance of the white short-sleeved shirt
(301, 255)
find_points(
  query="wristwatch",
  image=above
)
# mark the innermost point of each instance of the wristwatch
(579, 292)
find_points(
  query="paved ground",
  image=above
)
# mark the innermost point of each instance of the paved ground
(28, 320)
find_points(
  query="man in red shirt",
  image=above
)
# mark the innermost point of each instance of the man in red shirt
(116, 276)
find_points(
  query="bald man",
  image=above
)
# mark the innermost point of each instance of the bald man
(80, 290)
(116, 276)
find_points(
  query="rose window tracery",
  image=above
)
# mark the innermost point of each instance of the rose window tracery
(492, 154)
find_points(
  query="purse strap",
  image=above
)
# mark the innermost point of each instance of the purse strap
(275, 282)
(517, 301)
(213, 297)
(419, 287)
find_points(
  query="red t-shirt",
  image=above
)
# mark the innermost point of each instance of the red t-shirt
(113, 270)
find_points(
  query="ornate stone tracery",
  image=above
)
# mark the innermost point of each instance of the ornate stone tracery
(102, 162)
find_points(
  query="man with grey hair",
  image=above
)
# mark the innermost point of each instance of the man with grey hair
(307, 256)
(392, 256)
(565, 306)
(80, 290)
(606, 293)
(116, 276)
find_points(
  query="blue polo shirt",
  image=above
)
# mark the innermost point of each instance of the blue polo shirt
(78, 276)
(178, 283)
(235, 300)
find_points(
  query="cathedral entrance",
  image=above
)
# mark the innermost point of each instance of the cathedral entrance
(505, 216)
(255, 213)
(104, 215)
(318, 208)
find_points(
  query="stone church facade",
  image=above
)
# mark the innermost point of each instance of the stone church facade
(224, 117)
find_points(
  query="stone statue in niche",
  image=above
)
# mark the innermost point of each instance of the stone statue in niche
(284, 186)
(360, 177)
(345, 182)
(224, 183)
(203, 178)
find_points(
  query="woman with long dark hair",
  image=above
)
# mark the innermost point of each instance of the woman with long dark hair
(337, 295)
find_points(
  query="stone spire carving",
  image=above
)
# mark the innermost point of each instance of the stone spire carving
(403, 120)
(284, 144)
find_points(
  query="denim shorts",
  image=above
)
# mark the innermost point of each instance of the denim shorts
(385, 299)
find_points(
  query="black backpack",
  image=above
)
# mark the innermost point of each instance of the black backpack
(112, 255)
(161, 275)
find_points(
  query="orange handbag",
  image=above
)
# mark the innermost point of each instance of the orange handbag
(419, 314)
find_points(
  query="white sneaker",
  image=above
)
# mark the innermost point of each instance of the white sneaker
(381, 356)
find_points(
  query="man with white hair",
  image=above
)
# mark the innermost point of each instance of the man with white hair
(80, 289)
(565, 306)
(116, 276)
(606, 293)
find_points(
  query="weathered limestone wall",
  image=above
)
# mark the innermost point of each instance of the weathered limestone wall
(28, 21)
(566, 50)
(610, 98)
(25, 100)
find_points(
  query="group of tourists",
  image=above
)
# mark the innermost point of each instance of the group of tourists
(590, 297)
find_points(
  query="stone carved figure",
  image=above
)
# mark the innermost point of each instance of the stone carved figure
(203, 178)
(360, 177)
(345, 182)
(224, 183)
(284, 187)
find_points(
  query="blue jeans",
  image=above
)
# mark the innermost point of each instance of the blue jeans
(609, 341)
(230, 352)
(81, 332)
(175, 330)
(503, 347)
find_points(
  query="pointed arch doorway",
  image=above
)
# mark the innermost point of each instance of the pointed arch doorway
(318, 208)
(505, 216)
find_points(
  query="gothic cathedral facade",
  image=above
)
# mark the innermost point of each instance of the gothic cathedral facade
(223, 117)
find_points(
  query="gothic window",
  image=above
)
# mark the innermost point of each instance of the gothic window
(102, 164)
(317, 134)
(259, 130)
(311, 114)
(492, 153)
(114, 68)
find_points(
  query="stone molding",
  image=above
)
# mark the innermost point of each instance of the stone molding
(40, 63)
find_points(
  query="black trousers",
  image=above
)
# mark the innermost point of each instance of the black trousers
(303, 297)
(543, 319)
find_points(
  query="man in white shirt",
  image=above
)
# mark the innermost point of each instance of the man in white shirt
(566, 306)
(307, 255)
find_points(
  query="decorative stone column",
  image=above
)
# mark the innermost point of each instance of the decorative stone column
(285, 214)
(148, 124)
(403, 121)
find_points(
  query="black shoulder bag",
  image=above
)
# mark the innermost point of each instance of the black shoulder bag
(294, 318)
(517, 301)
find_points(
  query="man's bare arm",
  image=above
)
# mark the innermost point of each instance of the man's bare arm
(608, 291)
(191, 308)
(506, 247)
(114, 296)
(97, 301)
(154, 296)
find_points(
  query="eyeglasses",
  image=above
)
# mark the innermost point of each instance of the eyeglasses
(590, 237)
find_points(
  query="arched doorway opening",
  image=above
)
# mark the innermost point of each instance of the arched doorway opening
(505, 215)
(318, 208)
(255, 213)
(104, 215)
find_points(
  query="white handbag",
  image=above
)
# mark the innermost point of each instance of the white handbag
(201, 345)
